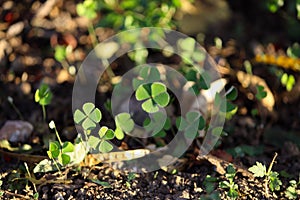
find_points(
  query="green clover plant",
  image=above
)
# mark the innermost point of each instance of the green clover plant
(291, 192)
(43, 96)
(59, 150)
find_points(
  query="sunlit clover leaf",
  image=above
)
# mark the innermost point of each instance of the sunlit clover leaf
(43, 95)
(159, 94)
(67, 148)
(89, 117)
(106, 133)
(54, 149)
(147, 74)
(93, 141)
(124, 123)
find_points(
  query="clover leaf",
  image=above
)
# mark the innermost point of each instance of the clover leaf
(155, 96)
(89, 117)
(87, 9)
(157, 125)
(201, 81)
(187, 47)
(124, 123)
(60, 152)
(43, 95)
(147, 74)
(190, 124)
(261, 93)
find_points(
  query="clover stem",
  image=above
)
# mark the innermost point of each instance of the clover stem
(57, 135)
(92, 34)
(93, 37)
(56, 165)
(10, 100)
(44, 112)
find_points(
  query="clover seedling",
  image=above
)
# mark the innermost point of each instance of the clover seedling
(229, 183)
(209, 184)
(130, 177)
(271, 179)
(291, 191)
(154, 95)
(43, 96)
(60, 150)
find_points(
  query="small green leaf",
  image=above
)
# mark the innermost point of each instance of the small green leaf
(119, 133)
(187, 44)
(260, 92)
(105, 147)
(67, 147)
(124, 121)
(275, 182)
(102, 183)
(258, 170)
(43, 95)
(110, 134)
(79, 116)
(64, 159)
(142, 93)
(88, 124)
(150, 106)
(93, 141)
(54, 148)
(60, 53)
(95, 115)
(102, 131)
(88, 107)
